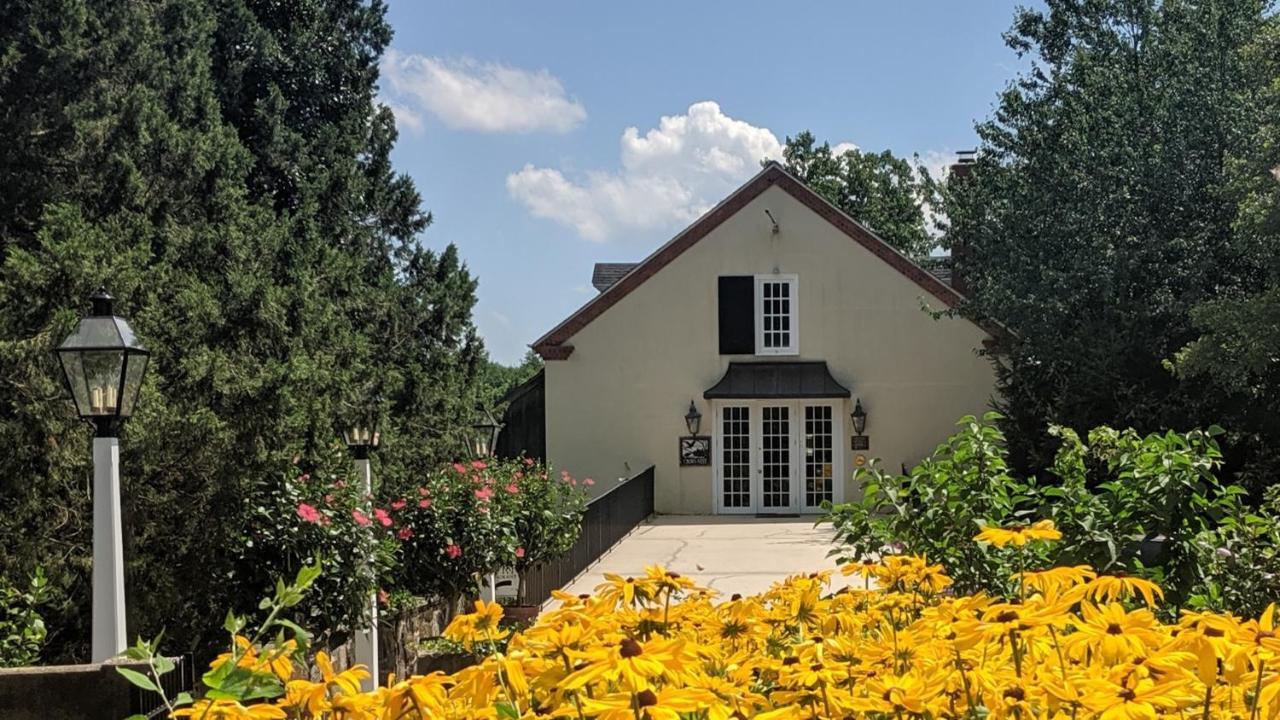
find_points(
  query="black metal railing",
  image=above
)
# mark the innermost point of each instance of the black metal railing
(607, 519)
(181, 679)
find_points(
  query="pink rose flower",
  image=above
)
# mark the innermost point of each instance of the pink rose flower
(423, 492)
(399, 504)
(588, 482)
(405, 533)
(479, 464)
(424, 503)
(512, 488)
(308, 513)
(304, 477)
(328, 499)
(453, 551)
(528, 462)
(382, 516)
(383, 597)
(484, 493)
(519, 552)
(459, 467)
(359, 517)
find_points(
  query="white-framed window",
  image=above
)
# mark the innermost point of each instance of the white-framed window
(777, 332)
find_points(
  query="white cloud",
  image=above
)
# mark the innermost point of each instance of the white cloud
(467, 94)
(668, 177)
(938, 163)
(841, 148)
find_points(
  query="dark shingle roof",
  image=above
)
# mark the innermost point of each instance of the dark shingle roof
(606, 274)
(938, 266)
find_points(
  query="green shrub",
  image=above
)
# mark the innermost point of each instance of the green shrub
(1240, 560)
(22, 630)
(1124, 502)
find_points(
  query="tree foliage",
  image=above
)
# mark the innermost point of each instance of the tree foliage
(223, 168)
(1098, 214)
(885, 192)
(1238, 347)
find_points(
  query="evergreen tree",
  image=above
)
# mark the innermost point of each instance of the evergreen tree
(223, 167)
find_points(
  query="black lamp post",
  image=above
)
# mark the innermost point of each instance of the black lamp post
(859, 417)
(103, 364)
(484, 434)
(693, 419)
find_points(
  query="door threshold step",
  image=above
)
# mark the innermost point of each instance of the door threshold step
(777, 515)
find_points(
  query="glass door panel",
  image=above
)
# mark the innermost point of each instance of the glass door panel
(819, 456)
(775, 458)
(735, 459)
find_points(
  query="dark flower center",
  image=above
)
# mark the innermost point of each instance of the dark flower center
(1115, 629)
(1007, 616)
(1016, 694)
(646, 698)
(630, 648)
(1127, 695)
(790, 660)
(1212, 632)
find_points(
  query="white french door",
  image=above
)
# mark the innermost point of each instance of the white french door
(777, 456)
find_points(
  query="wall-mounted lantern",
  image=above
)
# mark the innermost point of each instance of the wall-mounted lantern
(859, 417)
(693, 419)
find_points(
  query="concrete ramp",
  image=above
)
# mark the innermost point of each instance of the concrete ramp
(727, 553)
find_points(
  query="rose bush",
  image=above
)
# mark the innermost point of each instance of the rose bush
(468, 520)
(1068, 643)
(316, 513)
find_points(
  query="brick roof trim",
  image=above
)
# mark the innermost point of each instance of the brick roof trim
(552, 346)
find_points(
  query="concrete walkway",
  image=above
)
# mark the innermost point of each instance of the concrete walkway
(730, 554)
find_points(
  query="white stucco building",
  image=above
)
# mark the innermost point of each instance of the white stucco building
(775, 314)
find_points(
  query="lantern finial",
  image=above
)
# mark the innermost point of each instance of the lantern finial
(101, 302)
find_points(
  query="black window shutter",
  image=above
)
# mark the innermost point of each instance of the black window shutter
(737, 315)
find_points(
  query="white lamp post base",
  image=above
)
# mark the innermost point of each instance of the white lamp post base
(109, 638)
(365, 644)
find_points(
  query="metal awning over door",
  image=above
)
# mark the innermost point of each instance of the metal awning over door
(791, 379)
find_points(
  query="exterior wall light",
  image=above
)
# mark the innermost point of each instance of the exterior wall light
(693, 419)
(859, 417)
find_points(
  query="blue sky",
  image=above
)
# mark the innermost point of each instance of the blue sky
(514, 120)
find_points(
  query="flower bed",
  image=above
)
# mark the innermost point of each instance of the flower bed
(1067, 644)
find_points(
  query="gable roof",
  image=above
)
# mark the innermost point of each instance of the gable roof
(552, 346)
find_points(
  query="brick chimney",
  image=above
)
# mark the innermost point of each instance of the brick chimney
(959, 170)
